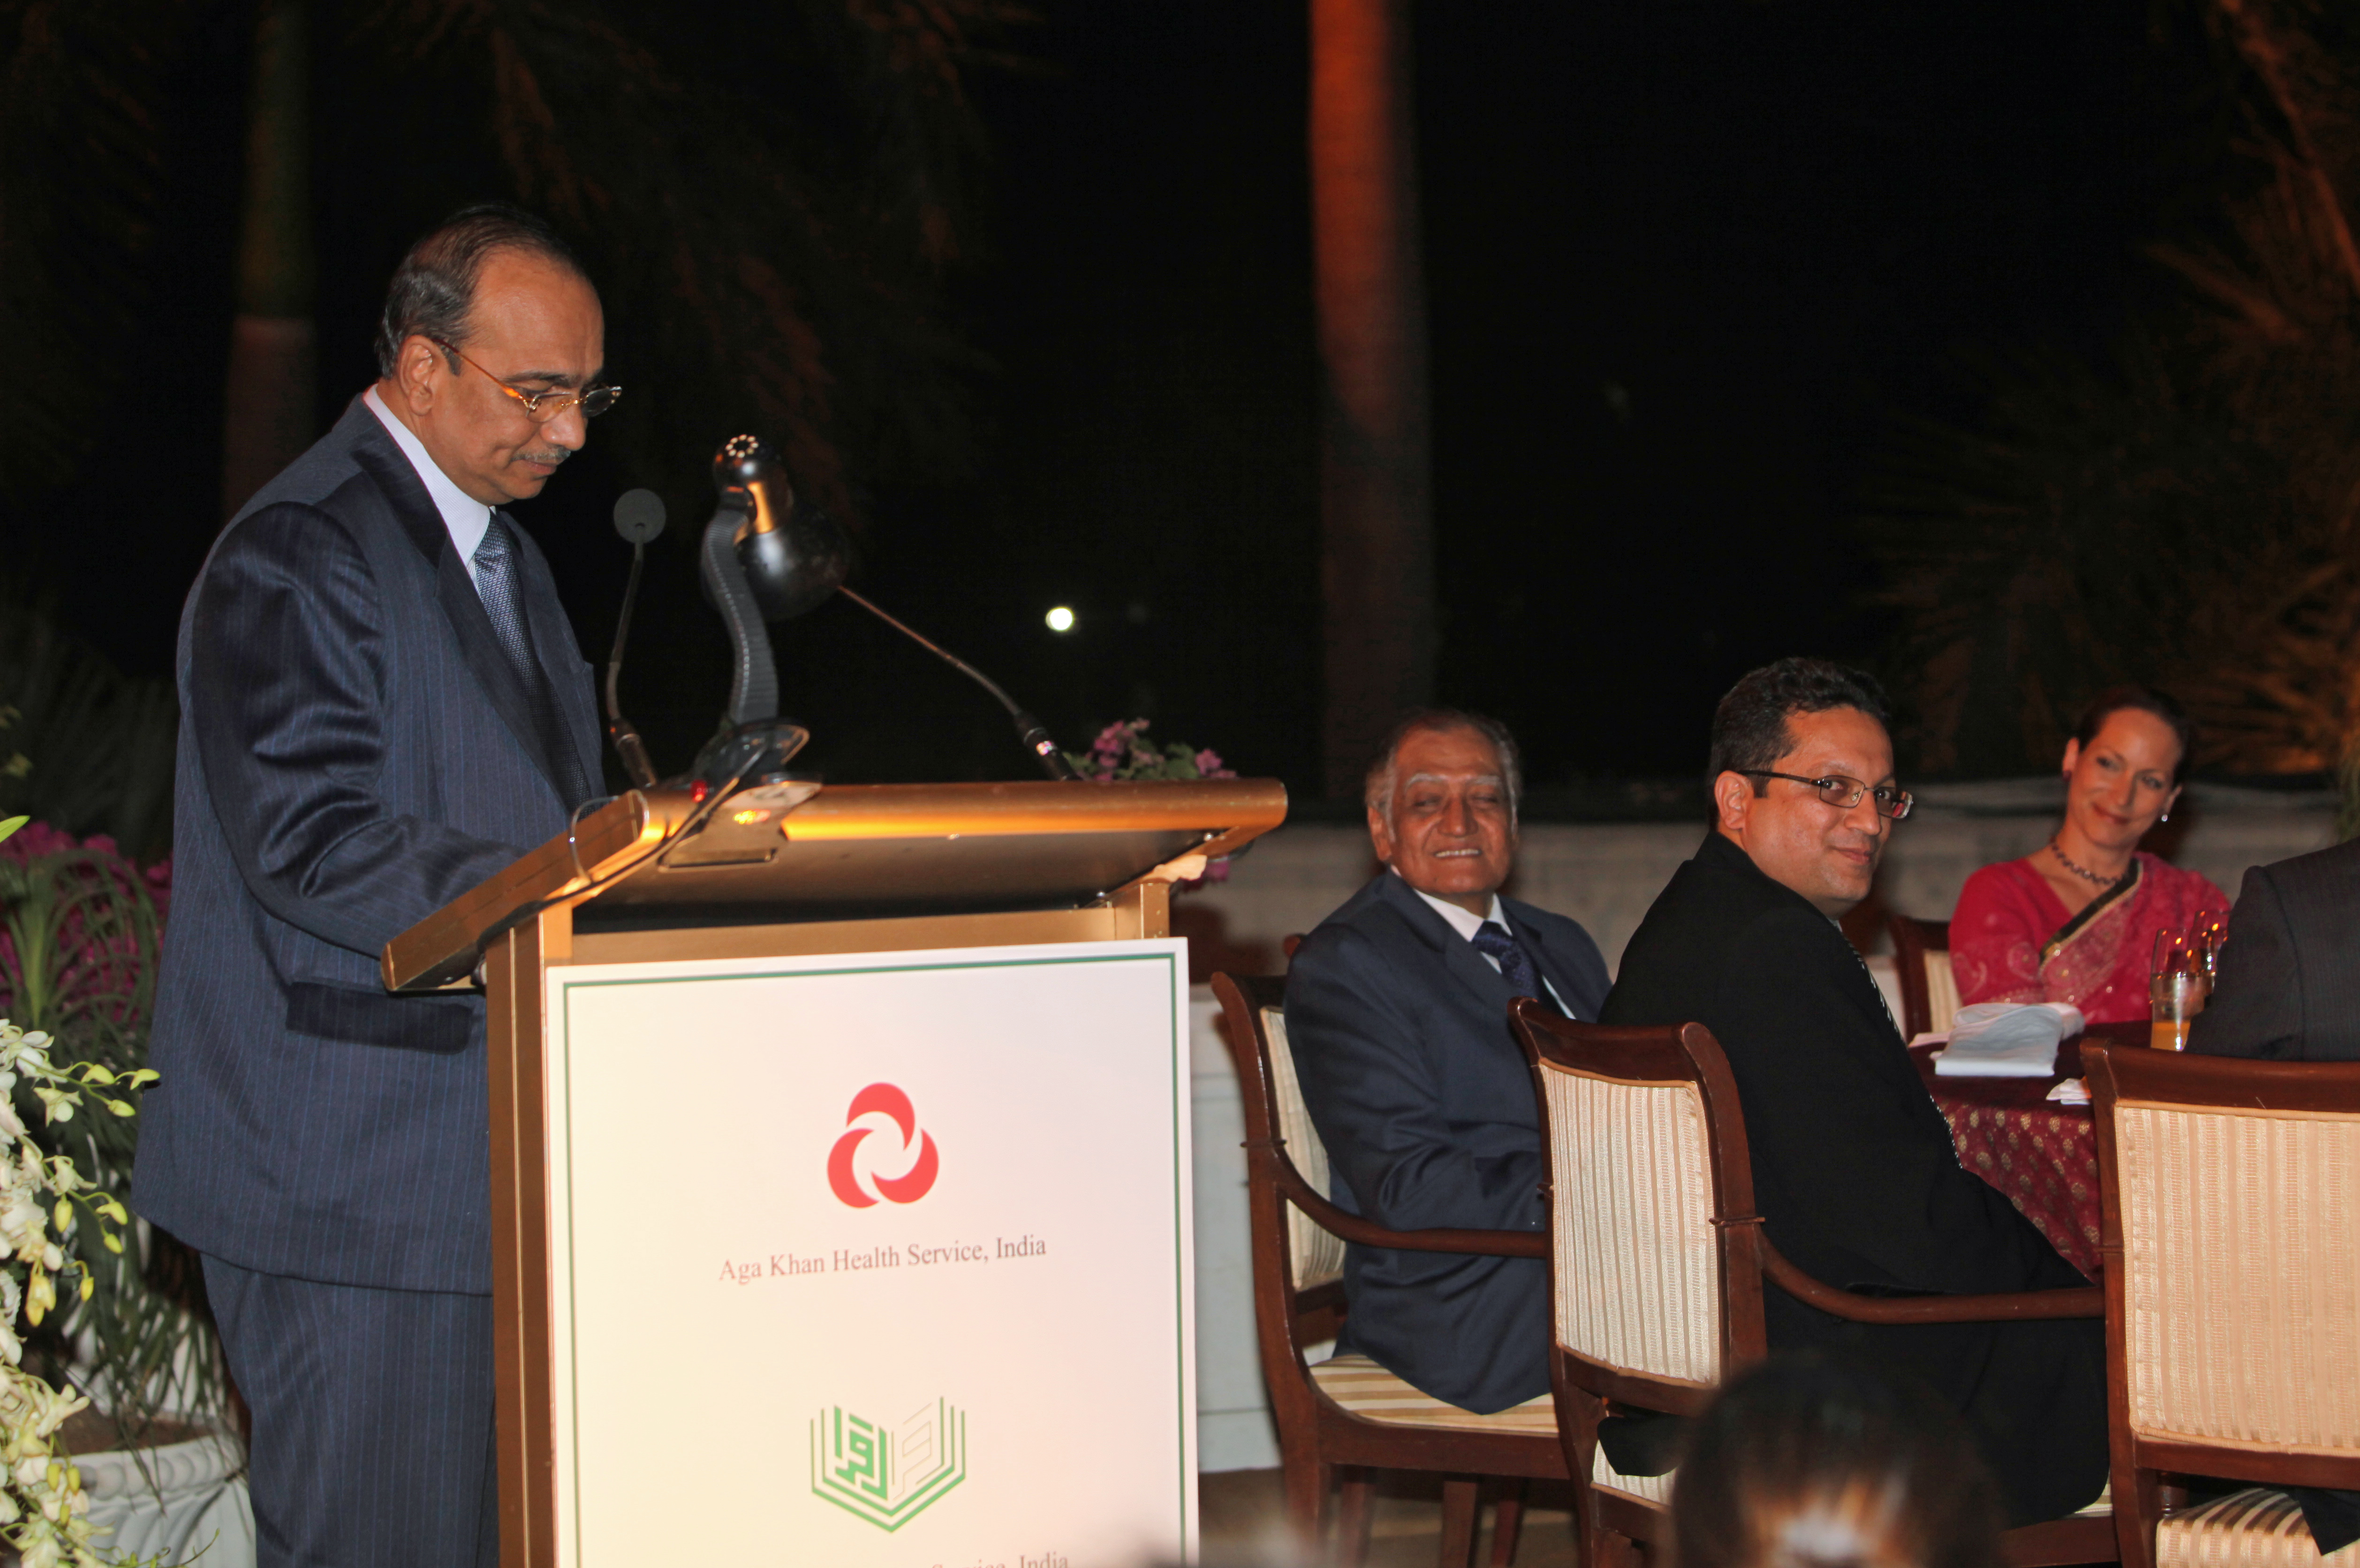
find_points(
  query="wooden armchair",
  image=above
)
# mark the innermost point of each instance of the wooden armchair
(1658, 1256)
(1348, 1412)
(2233, 1296)
(1929, 993)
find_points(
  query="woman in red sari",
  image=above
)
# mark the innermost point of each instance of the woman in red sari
(2075, 920)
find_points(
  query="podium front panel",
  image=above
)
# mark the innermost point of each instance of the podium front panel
(872, 1258)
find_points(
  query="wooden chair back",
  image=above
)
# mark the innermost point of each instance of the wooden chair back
(2232, 1280)
(1297, 1236)
(1930, 991)
(1624, 1113)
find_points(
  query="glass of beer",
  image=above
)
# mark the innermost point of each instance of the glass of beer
(2175, 991)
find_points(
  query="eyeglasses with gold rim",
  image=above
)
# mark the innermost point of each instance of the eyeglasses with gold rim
(543, 407)
(1838, 790)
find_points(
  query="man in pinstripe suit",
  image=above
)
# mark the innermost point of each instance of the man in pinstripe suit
(382, 705)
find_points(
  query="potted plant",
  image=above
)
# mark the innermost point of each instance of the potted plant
(159, 1466)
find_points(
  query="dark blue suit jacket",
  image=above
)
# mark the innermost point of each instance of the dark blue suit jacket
(1421, 1094)
(356, 751)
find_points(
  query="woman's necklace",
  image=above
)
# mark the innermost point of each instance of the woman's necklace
(2082, 872)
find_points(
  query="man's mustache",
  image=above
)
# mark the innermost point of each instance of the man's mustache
(553, 457)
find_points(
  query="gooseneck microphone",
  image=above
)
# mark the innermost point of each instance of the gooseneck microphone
(1029, 729)
(789, 557)
(639, 518)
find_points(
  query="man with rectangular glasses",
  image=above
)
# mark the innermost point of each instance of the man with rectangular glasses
(382, 704)
(1854, 1171)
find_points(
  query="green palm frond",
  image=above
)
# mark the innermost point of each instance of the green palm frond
(2185, 516)
(98, 744)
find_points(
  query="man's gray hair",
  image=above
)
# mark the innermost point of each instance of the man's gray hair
(1378, 790)
(434, 287)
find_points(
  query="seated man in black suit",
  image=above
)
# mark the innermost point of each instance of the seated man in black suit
(1397, 1011)
(1853, 1167)
(2289, 987)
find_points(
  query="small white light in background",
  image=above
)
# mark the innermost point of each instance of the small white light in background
(1060, 619)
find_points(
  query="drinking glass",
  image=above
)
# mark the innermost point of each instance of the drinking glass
(2206, 934)
(2175, 991)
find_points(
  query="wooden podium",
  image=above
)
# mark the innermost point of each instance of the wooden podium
(774, 872)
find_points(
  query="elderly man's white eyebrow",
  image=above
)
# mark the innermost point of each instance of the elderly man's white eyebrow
(1448, 778)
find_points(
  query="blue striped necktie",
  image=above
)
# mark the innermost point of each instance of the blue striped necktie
(1498, 943)
(496, 585)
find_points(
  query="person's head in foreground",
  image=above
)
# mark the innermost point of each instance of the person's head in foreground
(1815, 1460)
(489, 352)
(1442, 799)
(1802, 778)
(2122, 771)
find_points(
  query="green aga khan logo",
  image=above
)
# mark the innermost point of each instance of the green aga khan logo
(888, 1476)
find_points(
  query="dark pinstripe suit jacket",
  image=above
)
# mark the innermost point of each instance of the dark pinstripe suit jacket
(356, 751)
(2290, 975)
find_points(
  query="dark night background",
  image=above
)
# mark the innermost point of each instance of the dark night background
(1689, 266)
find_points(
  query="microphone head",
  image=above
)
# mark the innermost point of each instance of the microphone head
(638, 515)
(793, 554)
(744, 459)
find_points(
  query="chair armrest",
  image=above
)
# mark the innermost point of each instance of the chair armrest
(2012, 1306)
(1352, 1228)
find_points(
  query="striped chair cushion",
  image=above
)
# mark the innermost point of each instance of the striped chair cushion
(1656, 1489)
(1317, 1254)
(1362, 1389)
(2256, 1528)
(1367, 1390)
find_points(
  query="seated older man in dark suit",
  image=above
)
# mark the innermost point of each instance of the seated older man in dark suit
(1853, 1167)
(1397, 1011)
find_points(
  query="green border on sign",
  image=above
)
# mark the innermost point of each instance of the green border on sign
(1175, 988)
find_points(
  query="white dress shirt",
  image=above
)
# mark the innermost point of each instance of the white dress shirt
(1466, 923)
(467, 517)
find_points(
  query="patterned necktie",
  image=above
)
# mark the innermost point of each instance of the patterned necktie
(1496, 942)
(496, 585)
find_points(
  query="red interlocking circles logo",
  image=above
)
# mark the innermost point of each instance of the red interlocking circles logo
(851, 1177)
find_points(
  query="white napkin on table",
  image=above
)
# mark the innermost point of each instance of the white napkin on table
(2006, 1039)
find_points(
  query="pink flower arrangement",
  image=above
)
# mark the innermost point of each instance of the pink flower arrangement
(1123, 751)
(77, 899)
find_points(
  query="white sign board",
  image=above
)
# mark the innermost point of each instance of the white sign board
(874, 1259)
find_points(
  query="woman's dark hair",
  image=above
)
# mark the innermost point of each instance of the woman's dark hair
(1749, 727)
(434, 286)
(2146, 700)
(1815, 1461)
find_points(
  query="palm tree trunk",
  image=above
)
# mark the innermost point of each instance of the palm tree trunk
(271, 389)
(1377, 532)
